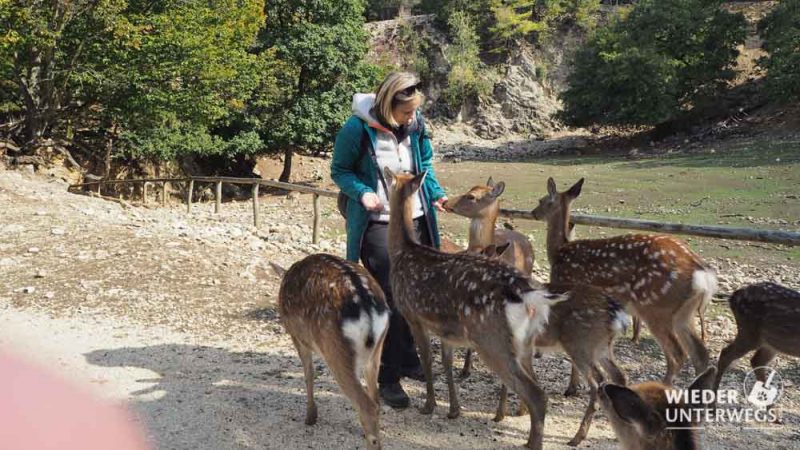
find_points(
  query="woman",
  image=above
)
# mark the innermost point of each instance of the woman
(386, 130)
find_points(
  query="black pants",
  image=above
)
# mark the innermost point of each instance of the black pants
(399, 350)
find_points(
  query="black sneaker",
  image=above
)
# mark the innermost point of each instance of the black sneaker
(414, 373)
(393, 395)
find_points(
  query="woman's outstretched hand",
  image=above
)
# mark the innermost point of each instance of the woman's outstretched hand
(438, 204)
(371, 202)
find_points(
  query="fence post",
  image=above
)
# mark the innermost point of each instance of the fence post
(255, 204)
(164, 193)
(189, 196)
(315, 238)
(144, 193)
(99, 184)
(218, 204)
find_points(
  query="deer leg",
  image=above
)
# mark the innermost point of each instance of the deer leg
(684, 326)
(670, 344)
(505, 364)
(343, 370)
(613, 371)
(574, 382)
(637, 329)
(424, 346)
(592, 379)
(373, 368)
(762, 357)
(447, 362)
(502, 404)
(308, 371)
(465, 371)
(735, 350)
(527, 364)
(701, 314)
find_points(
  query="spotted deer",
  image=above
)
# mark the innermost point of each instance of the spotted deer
(335, 308)
(643, 418)
(466, 300)
(481, 204)
(657, 277)
(584, 327)
(767, 321)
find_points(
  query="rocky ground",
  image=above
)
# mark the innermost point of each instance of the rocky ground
(174, 315)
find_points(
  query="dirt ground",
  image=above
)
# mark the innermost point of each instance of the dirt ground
(173, 314)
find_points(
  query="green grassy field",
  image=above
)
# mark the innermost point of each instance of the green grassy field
(743, 182)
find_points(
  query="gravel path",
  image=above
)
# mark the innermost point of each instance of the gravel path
(174, 315)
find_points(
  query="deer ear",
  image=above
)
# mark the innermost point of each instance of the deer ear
(490, 182)
(390, 176)
(575, 190)
(489, 251)
(498, 189)
(629, 407)
(551, 187)
(704, 382)
(499, 250)
(417, 181)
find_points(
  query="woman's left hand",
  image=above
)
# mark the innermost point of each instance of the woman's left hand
(438, 204)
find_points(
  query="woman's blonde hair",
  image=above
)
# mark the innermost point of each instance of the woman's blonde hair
(397, 88)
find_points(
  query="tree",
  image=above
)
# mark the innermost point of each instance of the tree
(322, 46)
(152, 77)
(780, 30)
(466, 77)
(650, 65)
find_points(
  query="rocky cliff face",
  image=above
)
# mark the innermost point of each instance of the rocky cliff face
(524, 98)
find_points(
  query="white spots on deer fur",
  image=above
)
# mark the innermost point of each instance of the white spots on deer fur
(665, 287)
(656, 255)
(620, 322)
(467, 310)
(332, 284)
(356, 298)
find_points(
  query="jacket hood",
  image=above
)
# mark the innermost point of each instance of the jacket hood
(362, 104)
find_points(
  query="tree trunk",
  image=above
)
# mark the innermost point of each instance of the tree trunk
(287, 165)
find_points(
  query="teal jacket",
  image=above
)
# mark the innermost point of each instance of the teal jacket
(356, 176)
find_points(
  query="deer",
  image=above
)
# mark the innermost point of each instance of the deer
(335, 308)
(467, 300)
(481, 204)
(768, 321)
(657, 277)
(584, 327)
(643, 418)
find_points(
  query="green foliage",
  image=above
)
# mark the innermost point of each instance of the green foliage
(388, 9)
(650, 65)
(781, 33)
(158, 75)
(414, 47)
(466, 78)
(321, 45)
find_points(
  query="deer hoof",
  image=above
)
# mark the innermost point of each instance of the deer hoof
(571, 391)
(311, 416)
(428, 408)
(499, 417)
(574, 442)
(454, 414)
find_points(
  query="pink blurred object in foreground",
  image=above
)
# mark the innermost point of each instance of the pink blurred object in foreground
(39, 411)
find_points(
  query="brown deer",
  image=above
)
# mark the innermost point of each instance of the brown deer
(466, 300)
(481, 204)
(768, 321)
(657, 277)
(643, 418)
(584, 327)
(334, 307)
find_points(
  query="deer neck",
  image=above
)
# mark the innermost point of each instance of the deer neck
(557, 233)
(401, 224)
(481, 229)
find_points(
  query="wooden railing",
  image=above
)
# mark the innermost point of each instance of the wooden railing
(743, 234)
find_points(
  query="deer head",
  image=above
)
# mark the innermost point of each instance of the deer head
(639, 414)
(478, 202)
(556, 202)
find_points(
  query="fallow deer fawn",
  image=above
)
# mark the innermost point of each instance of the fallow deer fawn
(482, 204)
(468, 301)
(335, 308)
(768, 321)
(643, 418)
(584, 327)
(658, 277)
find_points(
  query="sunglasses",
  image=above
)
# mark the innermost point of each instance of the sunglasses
(409, 91)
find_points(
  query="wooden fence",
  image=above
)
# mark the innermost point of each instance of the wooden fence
(791, 238)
